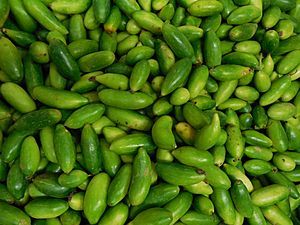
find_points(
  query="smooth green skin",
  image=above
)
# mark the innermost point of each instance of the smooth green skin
(271, 17)
(243, 14)
(235, 174)
(179, 16)
(278, 178)
(257, 217)
(55, 79)
(260, 117)
(224, 205)
(208, 135)
(275, 215)
(270, 41)
(34, 192)
(212, 23)
(147, 39)
(85, 115)
(257, 152)
(37, 120)
(157, 216)
(148, 21)
(64, 148)
(70, 217)
(47, 183)
(108, 41)
(5, 196)
(56, 98)
(115, 215)
(191, 156)
(167, 12)
(219, 152)
(44, 16)
(73, 179)
(203, 204)
(241, 199)
(176, 76)
(141, 178)
(47, 143)
(82, 47)
(119, 185)
(197, 80)
(125, 99)
(127, 44)
(113, 80)
(257, 167)
(235, 143)
(138, 53)
(286, 27)
(194, 218)
(96, 61)
(139, 75)
(15, 182)
(293, 175)
(165, 56)
(76, 201)
(250, 47)
(262, 81)
(212, 49)
(76, 28)
(246, 93)
(113, 20)
(242, 32)
(288, 45)
(284, 162)
(12, 145)
(225, 90)
(32, 73)
(253, 137)
(202, 188)
(67, 7)
(284, 5)
(12, 215)
(204, 102)
(86, 83)
(177, 41)
(128, 6)
(178, 174)
(29, 156)
(90, 20)
(90, 148)
(17, 97)
(194, 116)
(46, 208)
(288, 62)
(179, 205)
(268, 64)
(241, 58)
(10, 60)
(207, 8)
(223, 30)
(180, 96)
(226, 46)
(292, 132)
(229, 72)
(129, 118)
(101, 10)
(94, 203)
(162, 134)
(291, 92)
(155, 198)
(23, 19)
(21, 38)
(277, 134)
(192, 33)
(228, 7)
(281, 111)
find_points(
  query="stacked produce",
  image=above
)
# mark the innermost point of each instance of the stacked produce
(149, 112)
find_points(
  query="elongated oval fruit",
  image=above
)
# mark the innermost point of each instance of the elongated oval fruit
(125, 99)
